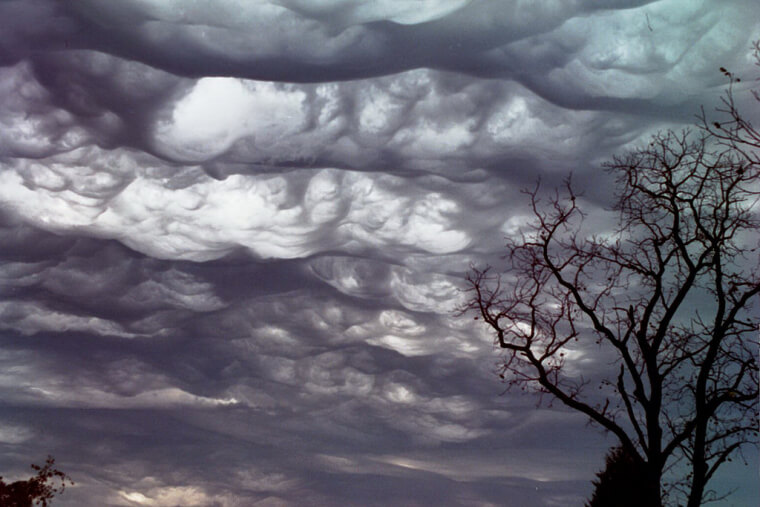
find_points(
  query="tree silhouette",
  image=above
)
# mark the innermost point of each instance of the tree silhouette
(620, 483)
(668, 297)
(37, 490)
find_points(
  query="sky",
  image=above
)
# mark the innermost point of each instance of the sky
(234, 235)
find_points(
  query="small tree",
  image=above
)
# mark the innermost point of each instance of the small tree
(620, 483)
(669, 296)
(37, 490)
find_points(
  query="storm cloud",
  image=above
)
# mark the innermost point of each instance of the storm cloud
(234, 235)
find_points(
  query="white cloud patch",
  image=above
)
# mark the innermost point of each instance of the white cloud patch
(167, 496)
(270, 215)
(367, 278)
(219, 111)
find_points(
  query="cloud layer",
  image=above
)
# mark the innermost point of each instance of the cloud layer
(234, 235)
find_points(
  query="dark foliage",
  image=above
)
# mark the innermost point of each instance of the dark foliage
(37, 490)
(620, 483)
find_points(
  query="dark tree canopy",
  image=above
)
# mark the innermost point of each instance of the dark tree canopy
(37, 490)
(668, 297)
(620, 483)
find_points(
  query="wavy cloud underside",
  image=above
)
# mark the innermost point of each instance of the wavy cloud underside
(234, 235)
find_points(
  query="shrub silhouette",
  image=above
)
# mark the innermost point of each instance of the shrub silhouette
(37, 490)
(621, 483)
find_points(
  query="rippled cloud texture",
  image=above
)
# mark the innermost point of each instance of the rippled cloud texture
(234, 232)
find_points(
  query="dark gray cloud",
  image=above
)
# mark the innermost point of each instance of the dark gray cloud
(234, 235)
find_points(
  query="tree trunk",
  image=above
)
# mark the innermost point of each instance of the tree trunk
(697, 483)
(652, 487)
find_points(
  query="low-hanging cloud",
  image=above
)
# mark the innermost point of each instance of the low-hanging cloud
(234, 234)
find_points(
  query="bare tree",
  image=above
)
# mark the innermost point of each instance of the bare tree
(669, 296)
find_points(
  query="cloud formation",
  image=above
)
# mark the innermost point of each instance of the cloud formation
(234, 234)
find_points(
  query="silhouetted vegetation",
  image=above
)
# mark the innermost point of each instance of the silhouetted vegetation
(620, 483)
(668, 297)
(37, 490)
